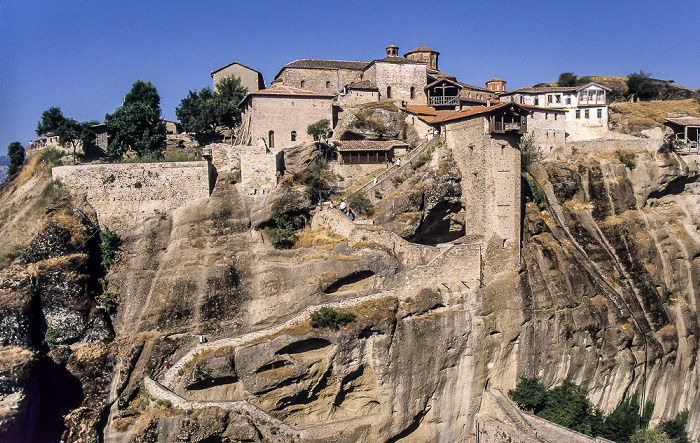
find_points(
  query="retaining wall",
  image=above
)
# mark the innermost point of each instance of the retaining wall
(124, 194)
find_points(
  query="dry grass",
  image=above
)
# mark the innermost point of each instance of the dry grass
(384, 104)
(361, 182)
(324, 239)
(647, 114)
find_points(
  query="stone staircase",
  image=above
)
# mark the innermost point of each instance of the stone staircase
(406, 164)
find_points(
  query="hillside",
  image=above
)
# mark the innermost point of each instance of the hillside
(632, 118)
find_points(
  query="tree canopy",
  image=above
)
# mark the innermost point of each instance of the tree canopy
(319, 130)
(51, 119)
(571, 79)
(204, 112)
(16, 153)
(641, 85)
(71, 134)
(137, 125)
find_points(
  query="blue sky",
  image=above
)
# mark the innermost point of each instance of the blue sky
(83, 56)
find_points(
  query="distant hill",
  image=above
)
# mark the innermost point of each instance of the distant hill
(4, 160)
(3, 174)
(668, 90)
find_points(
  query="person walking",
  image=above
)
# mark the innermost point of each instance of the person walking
(342, 206)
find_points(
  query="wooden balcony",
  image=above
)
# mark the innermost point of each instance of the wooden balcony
(447, 100)
(498, 126)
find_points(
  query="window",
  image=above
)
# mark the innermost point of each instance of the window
(578, 113)
(555, 116)
(388, 92)
(558, 97)
(546, 115)
(328, 85)
(271, 139)
(600, 113)
(568, 100)
(601, 95)
(294, 136)
(586, 113)
(303, 83)
(503, 150)
(537, 101)
(413, 92)
(522, 100)
(550, 99)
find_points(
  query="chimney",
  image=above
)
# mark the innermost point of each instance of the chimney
(392, 51)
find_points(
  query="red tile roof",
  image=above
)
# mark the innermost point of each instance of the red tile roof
(432, 116)
(420, 48)
(286, 91)
(364, 84)
(368, 145)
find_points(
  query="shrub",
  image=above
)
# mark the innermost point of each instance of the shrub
(359, 202)
(627, 158)
(377, 194)
(50, 338)
(138, 185)
(528, 153)
(537, 192)
(284, 226)
(109, 245)
(328, 317)
(581, 169)
(423, 159)
(675, 429)
(316, 179)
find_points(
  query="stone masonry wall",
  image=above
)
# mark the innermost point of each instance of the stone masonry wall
(401, 77)
(284, 114)
(258, 169)
(549, 133)
(124, 194)
(315, 79)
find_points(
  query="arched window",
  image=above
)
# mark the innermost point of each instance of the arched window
(294, 136)
(388, 92)
(328, 85)
(413, 92)
(303, 83)
(271, 139)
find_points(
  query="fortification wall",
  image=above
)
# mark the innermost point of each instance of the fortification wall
(124, 194)
(258, 169)
(549, 134)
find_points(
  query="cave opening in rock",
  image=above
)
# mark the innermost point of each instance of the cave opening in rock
(443, 223)
(354, 282)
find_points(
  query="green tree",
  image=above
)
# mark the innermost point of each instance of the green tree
(330, 318)
(567, 79)
(626, 419)
(143, 92)
(51, 119)
(71, 134)
(137, 125)
(641, 85)
(650, 436)
(231, 92)
(568, 405)
(319, 130)
(16, 153)
(530, 394)
(202, 113)
(675, 428)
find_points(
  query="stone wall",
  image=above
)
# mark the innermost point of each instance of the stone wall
(605, 145)
(258, 169)
(490, 166)
(401, 77)
(325, 80)
(549, 134)
(283, 115)
(124, 194)
(250, 78)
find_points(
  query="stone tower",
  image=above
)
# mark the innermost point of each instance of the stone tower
(392, 51)
(427, 55)
(496, 84)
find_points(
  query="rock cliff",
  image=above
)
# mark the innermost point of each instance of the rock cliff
(211, 341)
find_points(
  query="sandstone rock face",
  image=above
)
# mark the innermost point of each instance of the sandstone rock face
(370, 124)
(605, 298)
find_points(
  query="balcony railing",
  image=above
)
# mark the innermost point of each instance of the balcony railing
(443, 100)
(501, 127)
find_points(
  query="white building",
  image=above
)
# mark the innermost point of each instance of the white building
(585, 106)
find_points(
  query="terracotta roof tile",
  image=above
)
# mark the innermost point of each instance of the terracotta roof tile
(368, 145)
(364, 84)
(420, 48)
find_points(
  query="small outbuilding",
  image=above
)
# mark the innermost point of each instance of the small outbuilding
(369, 152)
(686, 129)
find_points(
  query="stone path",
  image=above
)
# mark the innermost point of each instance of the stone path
(159, 392)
